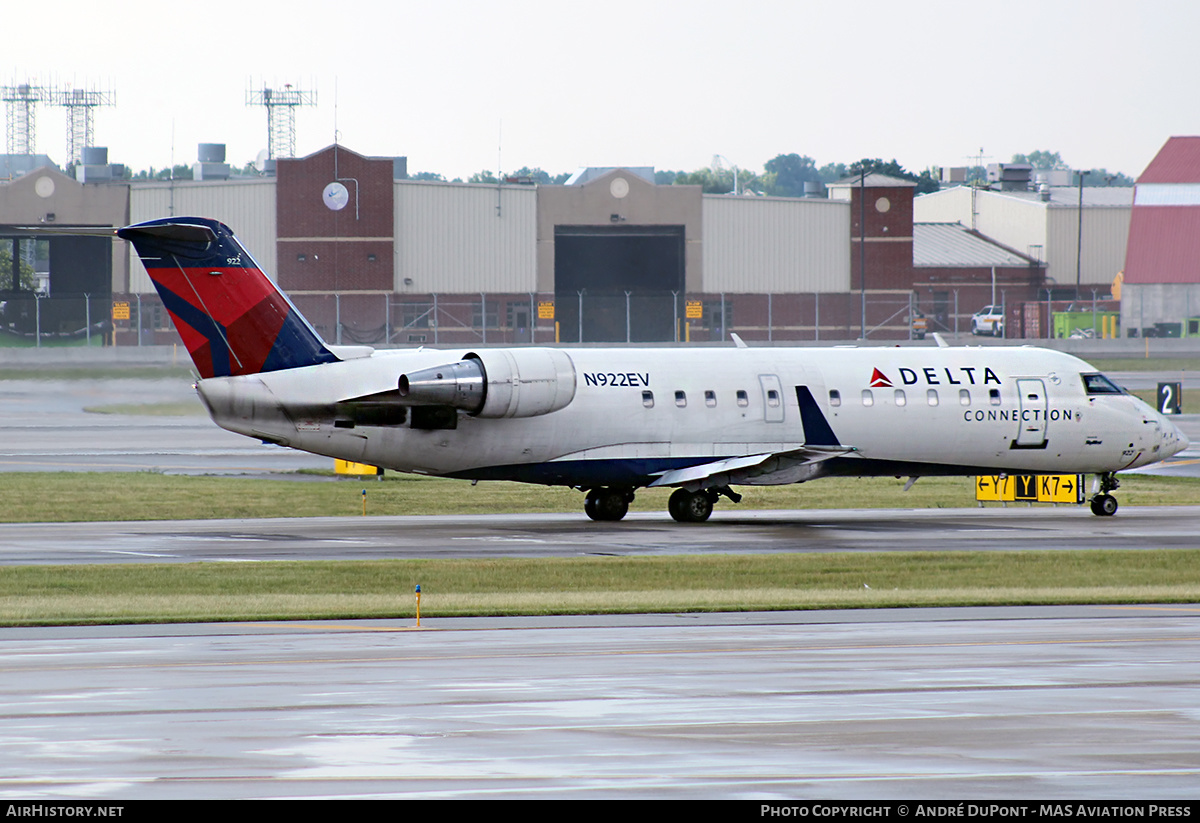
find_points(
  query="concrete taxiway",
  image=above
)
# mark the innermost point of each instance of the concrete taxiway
(44, 427)
(571, 535)
(1046, 702)
(1064, 702)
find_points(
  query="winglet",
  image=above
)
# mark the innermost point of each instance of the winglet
(937, 338)
(737, 341)
(817, 431)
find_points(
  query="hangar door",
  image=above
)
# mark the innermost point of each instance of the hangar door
(75, 277)
(595, 267)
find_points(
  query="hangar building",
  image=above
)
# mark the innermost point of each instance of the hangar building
(608, 257)
(1160, 294)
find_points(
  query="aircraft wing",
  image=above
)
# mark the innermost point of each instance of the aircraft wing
(737, 469)
(791, 466)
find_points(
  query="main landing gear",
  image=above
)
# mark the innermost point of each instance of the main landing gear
(607, 504)
(695, 507)
(1103, 503)
(685, 506)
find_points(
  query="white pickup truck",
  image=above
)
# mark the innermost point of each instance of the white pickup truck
(988, 320)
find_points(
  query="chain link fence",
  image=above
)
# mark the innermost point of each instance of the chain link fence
(384, 319)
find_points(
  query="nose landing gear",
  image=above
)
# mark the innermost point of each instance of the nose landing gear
(1103, 503)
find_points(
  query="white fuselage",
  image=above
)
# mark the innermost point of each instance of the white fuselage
(636, 413)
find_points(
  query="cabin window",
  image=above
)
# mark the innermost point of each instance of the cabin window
(994, 396)
(932, 397)
(772, 398)
(680, 399)
(710, 397)
(835, 397)
(868, 397)
(964, 397)
(743, 399)
(648, 399)
(900, 399)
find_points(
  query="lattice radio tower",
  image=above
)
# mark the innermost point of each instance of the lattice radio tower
(20, 103)
(81, 105)
(281, 105)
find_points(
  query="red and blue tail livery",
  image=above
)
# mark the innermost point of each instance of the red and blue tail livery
(230, 316)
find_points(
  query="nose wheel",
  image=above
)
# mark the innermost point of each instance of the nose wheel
(1103, 503)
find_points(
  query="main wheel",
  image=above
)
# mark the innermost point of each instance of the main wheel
(690, 507)
(606, 504)
(1104, 505)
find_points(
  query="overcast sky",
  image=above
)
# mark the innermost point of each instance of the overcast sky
(464, 86)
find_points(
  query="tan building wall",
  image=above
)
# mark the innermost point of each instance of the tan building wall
(245, 205)
(774, 245)
(1046, 231)
(463, 239)
(47, 197)
(620, 197)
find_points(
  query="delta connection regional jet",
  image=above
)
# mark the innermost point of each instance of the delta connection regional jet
(608, 421)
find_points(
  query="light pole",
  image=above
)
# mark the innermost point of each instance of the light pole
(862, 247)
(717, 158)
(1079, 238)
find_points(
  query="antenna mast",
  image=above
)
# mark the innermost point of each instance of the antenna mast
(281, 105)
(20, 103)
(81, 105)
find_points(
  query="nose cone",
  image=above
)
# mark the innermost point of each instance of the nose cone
(1173, 440)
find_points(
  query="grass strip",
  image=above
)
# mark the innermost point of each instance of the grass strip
(187, 592)
(97, 371)
(56, 497)
(185, 408)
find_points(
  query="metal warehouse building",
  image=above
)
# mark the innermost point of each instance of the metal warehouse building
(372, 257)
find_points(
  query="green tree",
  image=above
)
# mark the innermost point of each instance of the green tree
(1041, 160)
(179, 172)
(719, 181)
(538, 176)
(25, 271)
(709, 181)
(926, 181)
(428, 175)
(484, 176)
(786, 174)
(833, 172)
(1103, 177)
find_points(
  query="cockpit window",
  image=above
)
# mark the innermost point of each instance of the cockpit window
(1097, 383)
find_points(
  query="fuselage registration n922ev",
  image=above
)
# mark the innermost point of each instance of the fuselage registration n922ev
(609, 421)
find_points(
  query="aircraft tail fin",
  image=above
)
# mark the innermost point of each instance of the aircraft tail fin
(231, 317)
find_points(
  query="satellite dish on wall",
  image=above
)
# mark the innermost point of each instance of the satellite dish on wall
(335, 197)
(260, 162)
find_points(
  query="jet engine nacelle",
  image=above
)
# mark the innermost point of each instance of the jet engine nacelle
(496, 383)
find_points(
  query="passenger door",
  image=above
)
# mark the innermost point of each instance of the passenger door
(1032, 406)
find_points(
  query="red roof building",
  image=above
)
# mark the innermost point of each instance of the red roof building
(1161, 286)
